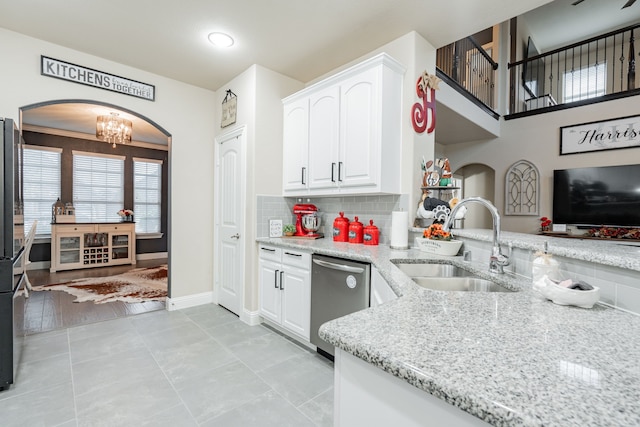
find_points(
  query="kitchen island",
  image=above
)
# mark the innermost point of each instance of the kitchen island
(508, 359)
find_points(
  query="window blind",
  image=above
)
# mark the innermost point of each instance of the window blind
(41, 186)
(585, 83)
(98, 187)
(147, 194)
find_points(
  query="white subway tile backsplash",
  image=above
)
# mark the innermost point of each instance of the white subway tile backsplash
(366, 208)
(619, 287)
(607, 291)
(628, 298)
(614, 275)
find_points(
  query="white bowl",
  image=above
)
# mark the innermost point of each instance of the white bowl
(565, 296)
(439, 247)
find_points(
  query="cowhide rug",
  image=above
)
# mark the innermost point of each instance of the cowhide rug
(137, 285)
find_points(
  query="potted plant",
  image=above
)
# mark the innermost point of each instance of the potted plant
(289, 229)
(438, 241)
(126, 215)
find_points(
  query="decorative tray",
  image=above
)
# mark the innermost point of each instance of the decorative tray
(317, 236)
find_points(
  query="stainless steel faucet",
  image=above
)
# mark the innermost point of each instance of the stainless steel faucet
(497, 261)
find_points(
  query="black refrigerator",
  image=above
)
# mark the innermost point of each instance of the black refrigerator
(11, 251)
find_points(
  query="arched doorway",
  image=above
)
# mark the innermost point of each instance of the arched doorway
(477, 180)
(68, 127)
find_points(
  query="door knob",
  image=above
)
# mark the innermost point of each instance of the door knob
(235, 236)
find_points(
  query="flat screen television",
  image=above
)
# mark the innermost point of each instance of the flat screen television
(533, 71)
(597, 196)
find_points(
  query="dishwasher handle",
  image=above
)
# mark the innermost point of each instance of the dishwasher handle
(340, 267)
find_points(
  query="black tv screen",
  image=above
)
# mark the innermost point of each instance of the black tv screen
(533, 71)
(597, 196)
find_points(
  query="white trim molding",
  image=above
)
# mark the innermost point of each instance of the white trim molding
(189, 301)
(251, 318)
(152, 255)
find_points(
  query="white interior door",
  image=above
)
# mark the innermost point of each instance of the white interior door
(229, 259)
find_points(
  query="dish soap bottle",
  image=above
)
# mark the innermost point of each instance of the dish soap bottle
(545, 264)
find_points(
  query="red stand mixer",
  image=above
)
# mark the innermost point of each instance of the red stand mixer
(307, 220)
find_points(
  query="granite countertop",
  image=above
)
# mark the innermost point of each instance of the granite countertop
(510, 359)
(614, 252)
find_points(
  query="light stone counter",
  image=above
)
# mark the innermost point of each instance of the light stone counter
(617, 253)
(510, 359)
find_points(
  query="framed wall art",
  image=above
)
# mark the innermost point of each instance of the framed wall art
(623, 132)
(229, 109)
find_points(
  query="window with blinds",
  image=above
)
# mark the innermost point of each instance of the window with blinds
(585, 83)
(147, 194)
(41, 186)
(98, 186)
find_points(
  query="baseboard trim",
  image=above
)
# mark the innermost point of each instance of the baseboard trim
(288, 334)
(251, 318)
(39, 265)
(151, 255)
(189, 301)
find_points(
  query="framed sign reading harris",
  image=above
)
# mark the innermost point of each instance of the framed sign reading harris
(623, 132)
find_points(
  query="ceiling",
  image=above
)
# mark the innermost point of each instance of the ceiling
(302, 39)
(559, 23)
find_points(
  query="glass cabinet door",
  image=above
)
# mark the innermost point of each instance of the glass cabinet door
(119, 246)
(69, 249)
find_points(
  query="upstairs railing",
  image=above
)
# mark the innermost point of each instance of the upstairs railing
(598, 69)
(471, 67)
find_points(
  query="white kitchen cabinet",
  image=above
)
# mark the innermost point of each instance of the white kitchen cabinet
(285, 289)
(360, 131)
(354, 132)
(381, 292)
(365, 395)
(324, 109)
(295, 145)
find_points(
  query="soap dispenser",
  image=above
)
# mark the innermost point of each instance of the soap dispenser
(545, 264)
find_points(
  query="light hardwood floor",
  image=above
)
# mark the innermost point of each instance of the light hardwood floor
(51, 310)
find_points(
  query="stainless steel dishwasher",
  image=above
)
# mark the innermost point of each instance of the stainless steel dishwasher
(338, 287)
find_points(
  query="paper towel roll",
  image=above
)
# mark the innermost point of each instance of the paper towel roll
(399, 230)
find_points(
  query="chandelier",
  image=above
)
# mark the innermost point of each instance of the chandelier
(113, 129)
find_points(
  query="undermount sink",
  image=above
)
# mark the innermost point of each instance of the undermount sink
(432, 270)
(468, 284)
(448, 277)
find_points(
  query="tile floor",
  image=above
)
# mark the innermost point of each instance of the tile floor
(195, 367)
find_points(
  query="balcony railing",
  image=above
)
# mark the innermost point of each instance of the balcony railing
(471, 67)
(597, 69)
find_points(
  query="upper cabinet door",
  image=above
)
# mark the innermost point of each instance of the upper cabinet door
(360, 123)
(353, 122)
(324, 109)
(295, 146)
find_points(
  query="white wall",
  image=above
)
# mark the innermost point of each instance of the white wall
(260, 92)
(417, 55)
(187, 112)
(537, 139)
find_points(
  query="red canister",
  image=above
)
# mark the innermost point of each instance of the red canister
(341, 228)
(356, 232)
(371, 234)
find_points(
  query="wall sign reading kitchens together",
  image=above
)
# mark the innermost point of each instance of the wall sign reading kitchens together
(90, 77)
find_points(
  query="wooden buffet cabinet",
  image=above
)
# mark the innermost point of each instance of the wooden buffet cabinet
(90, 245)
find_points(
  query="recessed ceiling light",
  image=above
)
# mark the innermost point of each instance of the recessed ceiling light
(221, 39)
